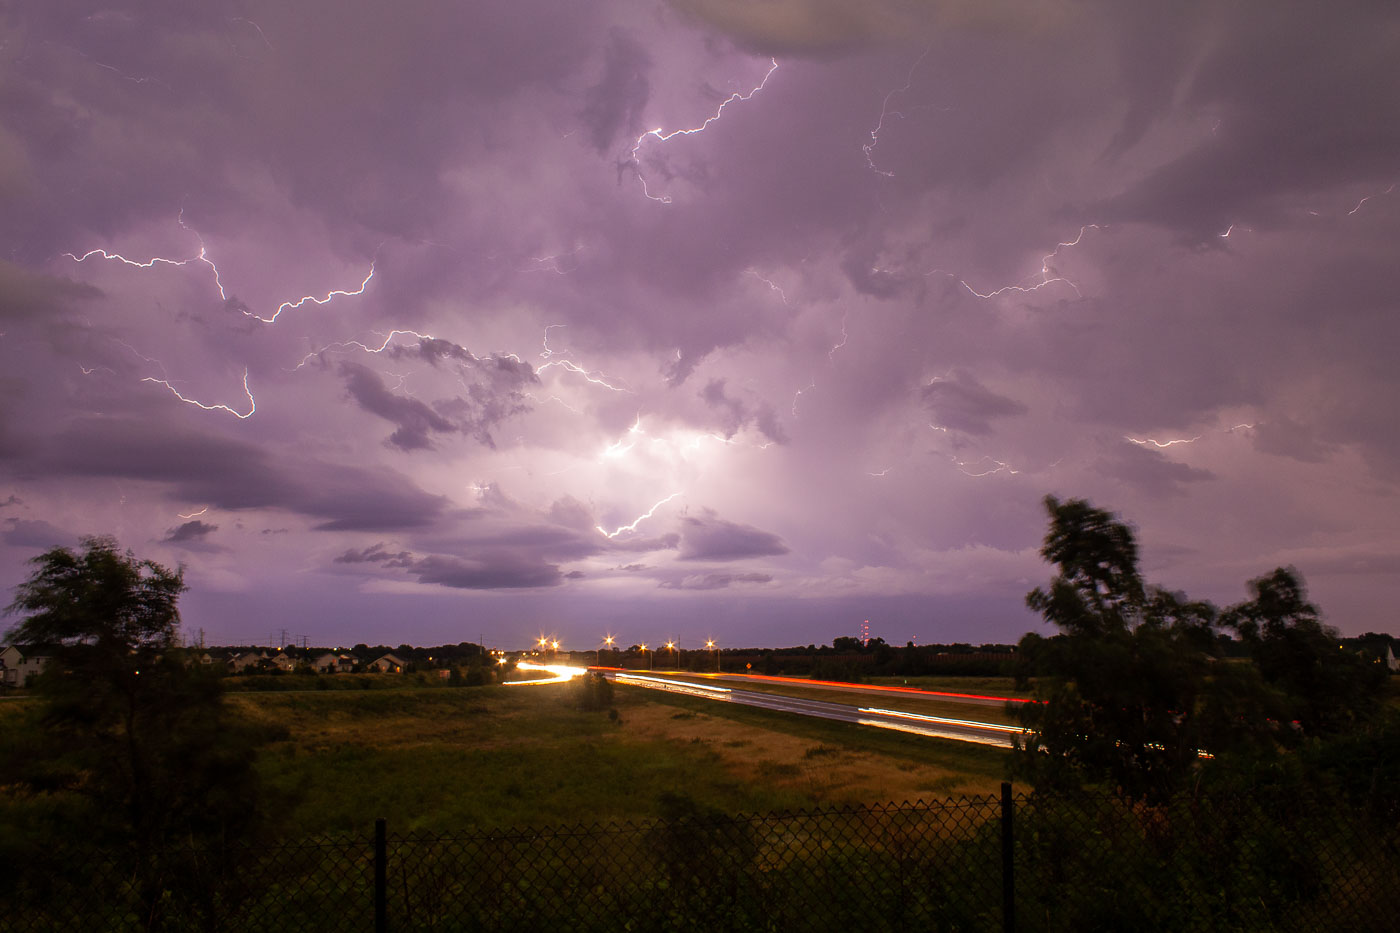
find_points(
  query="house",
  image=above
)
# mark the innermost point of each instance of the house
(248, 660)
(390, 663)
(18, 664)
(332, 663)
(284, 662)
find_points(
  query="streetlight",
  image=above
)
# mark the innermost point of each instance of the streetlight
(671, 647)
(608, 640)
(710, 643)
(644, 653)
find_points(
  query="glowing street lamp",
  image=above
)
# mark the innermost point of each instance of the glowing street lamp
(607, 640)
(644, 652)
(671, 647)
(710, 643)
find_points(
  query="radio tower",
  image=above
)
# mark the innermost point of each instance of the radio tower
(865, 633)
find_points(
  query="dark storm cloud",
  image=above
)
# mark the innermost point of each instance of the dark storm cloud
(30, 533)
(964, 404)
(233, 475)
(357, 106)
(738, 414)
(714, 581)
(503, 569)
(191, 531)
(1282, 436)
(377, 553)
(1298, 90)
(712, 538)
(614, 105)
(666, 542)
(27, 295)
(1148, 470)
(414, 419)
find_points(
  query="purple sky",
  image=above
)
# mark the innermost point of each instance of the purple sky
(720, 318)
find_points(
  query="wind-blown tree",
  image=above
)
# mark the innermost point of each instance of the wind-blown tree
(134, 742)
(1324, 689)
(1120, 689)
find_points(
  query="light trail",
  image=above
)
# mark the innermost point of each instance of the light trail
(972, 723)
(662, 136)
(675, 686)
(562, 673)
(933, 733)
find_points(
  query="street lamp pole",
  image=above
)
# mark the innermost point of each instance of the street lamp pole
(710, 643)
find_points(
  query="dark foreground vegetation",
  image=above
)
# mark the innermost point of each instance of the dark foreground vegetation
(1044, 863)
(1192, 769)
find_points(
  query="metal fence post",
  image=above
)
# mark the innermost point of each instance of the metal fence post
(1008, 863)
(381, 876)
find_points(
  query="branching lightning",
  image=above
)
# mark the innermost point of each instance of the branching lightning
(1001, 467)
(662, 136)
(639, 519)
(869, 148)
(594, 376)
(1048, 275)
(252, 404)
(203, 256)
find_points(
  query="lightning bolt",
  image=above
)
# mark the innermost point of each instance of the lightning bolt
(193, 514)
(1048, 276)
(662, 136)
(252, 404)
(203, 256)
(770, 283)
(798, 394)
(616, 449)
(595, 377)
(347, 344)
(869, 148)
(831, 354)
(1001, 466)
(633, 526)
(1153, 442)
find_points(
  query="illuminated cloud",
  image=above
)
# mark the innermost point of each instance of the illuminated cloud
(867, 279)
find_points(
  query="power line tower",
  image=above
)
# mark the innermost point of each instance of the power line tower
(865, 633)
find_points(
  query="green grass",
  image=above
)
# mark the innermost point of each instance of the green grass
(477, 758)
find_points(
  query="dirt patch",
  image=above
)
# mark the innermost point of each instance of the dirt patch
(826, 773)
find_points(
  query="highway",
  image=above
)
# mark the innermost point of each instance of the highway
(883, 716)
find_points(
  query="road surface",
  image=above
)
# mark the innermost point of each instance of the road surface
(884, 715)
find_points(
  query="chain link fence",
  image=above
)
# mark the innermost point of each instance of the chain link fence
(1032, 863)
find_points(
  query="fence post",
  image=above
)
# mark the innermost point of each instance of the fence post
(1008, 863)
(381, 877)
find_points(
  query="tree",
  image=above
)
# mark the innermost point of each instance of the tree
(1324, 689)
(135, 741)
(1120, 688)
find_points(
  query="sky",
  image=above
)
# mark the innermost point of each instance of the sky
(438, 321)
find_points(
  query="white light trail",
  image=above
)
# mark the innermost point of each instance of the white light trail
(562, 674)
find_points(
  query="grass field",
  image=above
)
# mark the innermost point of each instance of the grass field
(512, 756)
